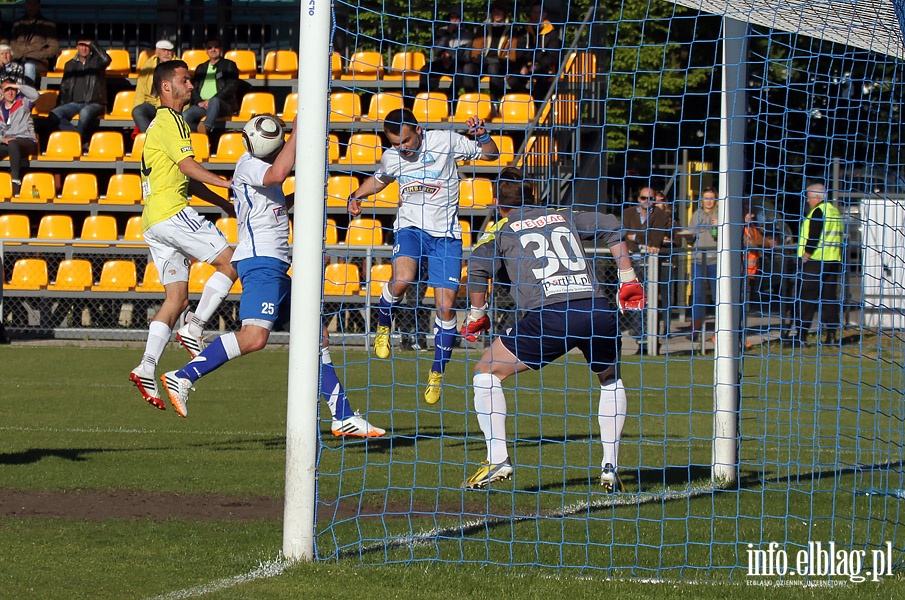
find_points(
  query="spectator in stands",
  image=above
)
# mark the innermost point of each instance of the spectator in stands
(34, 42)
(704, 225)
(17, 129)
(9, 69)
(146, 100)
(450, 56)
(493, 52)
(537, 55)
(83, 90)
(216, 82)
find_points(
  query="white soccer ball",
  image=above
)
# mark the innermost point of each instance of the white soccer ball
(263, 136)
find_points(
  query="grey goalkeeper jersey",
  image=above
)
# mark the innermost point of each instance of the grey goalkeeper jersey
(539, 251)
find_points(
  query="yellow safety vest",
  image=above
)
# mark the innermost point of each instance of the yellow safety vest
(829, 247)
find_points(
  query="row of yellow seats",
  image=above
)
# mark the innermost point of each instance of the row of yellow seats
(514, 108)
(344, 279)
(76, 275)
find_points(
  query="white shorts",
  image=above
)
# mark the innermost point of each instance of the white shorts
(183, 236)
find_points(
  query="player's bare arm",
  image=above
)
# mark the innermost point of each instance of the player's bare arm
(369, 186)
(488, 146)
(284, 162)
(191, 169)
(208, 195)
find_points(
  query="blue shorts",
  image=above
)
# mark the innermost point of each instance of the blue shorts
(444, 256)
(543, 335)
(265, 289)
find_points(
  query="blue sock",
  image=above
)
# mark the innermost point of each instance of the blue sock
(444, 338)
(211, 358)
(332, 390)
(384, 312)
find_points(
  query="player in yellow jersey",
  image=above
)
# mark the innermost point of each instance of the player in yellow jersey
(175, 232)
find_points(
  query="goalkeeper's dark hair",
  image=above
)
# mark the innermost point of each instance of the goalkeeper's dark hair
(164, 72)
(395, 119)
(512, 190)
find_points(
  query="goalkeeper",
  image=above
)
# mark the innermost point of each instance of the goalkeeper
(539, 251)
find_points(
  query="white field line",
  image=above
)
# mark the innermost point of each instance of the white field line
(270, 568)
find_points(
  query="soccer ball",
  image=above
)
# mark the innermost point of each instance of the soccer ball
(263, 136)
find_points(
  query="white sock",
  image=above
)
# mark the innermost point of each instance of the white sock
(158, 337)
(490, 406)
(215, 290)
(231, 345)
(611, 417)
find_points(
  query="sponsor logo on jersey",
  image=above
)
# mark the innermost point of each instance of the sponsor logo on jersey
(567, 284)
(185, 149)
(538, 222)
(279, 211)
(419, 187)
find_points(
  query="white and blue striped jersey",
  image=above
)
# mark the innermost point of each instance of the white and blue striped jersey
(260, 211)
(429, 182)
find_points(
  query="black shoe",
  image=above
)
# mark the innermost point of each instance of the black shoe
(4, 337)
(406, 343)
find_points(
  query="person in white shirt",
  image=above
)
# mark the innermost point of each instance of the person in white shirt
(427, 223)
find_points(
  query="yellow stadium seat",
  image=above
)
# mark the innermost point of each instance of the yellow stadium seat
(78, 188)
(220, 191)
(339, 188)
(46, 102)
(365, 65)
(6, 186)
(133, 232)
(473, 104)
(28, 274)
(72, 276)
(14, 226)
(336, 65)
(364, 232)
(475, 193)
(539, 151)
(199, 273)
(580, 67)
(382, 103)
(466, 233)
(341, 279)
(229, 227)
(431, 107)
(65, 146)
(516, 109)
(55, 227)
(42, 182)
(332, 148)
(229, 148)
(388, 197)
(123, 188)
(143, 56)
(363, 149)
(201, 145)
(193, 58)
(280, 64)
(105, 146)
(120, 62)
(246, 61)
(289, 188)
(566, 109)
(117, 276)
(380, 275)
(345, 107)
(406, 65)
(65, 55)
(290, 107)
(123, 103)
(506, 146)
(236, 287)
(150, 281)
(98, 228)
(256, 103)
(331, 235)
(137, 145)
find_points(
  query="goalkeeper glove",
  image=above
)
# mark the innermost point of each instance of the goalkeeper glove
(476, 322)
(631, 293)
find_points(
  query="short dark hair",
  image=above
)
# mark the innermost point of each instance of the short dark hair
(213, 41)
(164, 72)
(395, 119)
(512, 189)
(711, 190)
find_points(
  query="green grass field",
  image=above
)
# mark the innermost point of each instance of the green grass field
(119, 500)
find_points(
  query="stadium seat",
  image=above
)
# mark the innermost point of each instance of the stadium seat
(406, 65)
(63, 146)
(580, 67)
(133, 232)
(516, 109)
(199, 273)
(123, 188)
(388, 197)
(143, 56)
(201, 144)
(45, 103)
(364, 232)
(78, 188)
(117, 276)
(466, 233)
(255, 103)
(473, 104)
(236, 287)
(431, 107)
(229, 148)
(120, 62)
(290, 107)
(105, 146)
(44, 184)
(539, 152)
(506, 146)
(336, 65)
(65, 55)
(382, 103)
(98, 228)
(72, 276)
(341, 279)
(150, 281)
(280, 64)
(137, 145)
(345, 107)
(229, 227)
(365, 65)
(220, 191)
(331, 235)
(6, 186)
(566, 109)
(28, 274)
(380, 274)
(123, 103)
(363, 149)
(246, 61)
(289, 187)
(194, 57)
(290, 236)
(475, 193)
(339, 188)
(332, 148)
(55, 227)
(14, 226)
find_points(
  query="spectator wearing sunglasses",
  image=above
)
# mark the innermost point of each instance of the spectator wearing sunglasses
(216, 82)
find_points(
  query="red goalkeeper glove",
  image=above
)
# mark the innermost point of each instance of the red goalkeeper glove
(476, 322)
(631, 293)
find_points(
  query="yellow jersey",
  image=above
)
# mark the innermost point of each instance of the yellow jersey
(164, 187)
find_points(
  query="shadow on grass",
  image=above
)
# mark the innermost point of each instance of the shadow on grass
(33, 455)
